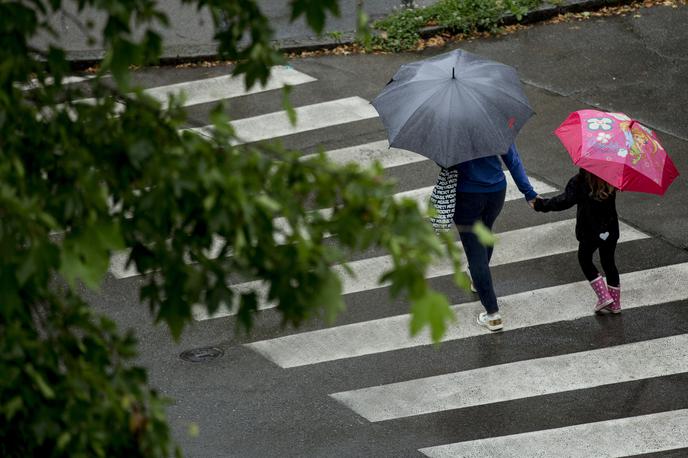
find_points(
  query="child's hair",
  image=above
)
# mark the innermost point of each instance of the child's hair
(599, 189)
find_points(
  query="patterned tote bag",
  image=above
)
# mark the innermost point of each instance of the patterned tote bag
(443, 198)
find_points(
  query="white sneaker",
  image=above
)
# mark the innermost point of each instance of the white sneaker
(493, 322)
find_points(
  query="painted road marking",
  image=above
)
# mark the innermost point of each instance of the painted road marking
(309, 117)
(218, 88)
(534, 377)
(513, 246)
(367, 153)
(613, 438)
(530, 308)
(227, 86)
(118, 261)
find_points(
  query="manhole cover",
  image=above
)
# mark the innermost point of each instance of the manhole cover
(199, 355)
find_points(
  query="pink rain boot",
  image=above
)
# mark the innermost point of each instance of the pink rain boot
(604, 299)
(615, 293)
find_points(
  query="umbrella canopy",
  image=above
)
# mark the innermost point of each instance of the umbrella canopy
(617, 149)
(453, 107)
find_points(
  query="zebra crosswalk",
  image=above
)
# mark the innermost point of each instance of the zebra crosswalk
(389, 334)
(529, 378)
(520, 244)
(556, 297)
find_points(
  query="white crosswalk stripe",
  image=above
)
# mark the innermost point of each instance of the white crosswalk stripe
(227, 86)
(367, 153)
(224, 87)
(309, 117)
(535, 377)
(614, 438)
(386, 337)
(530, 308)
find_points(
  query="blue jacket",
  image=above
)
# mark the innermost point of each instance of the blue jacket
(485, 174)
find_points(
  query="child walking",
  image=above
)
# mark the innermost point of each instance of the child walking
(597, 228)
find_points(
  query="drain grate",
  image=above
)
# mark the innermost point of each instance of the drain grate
(200, 355)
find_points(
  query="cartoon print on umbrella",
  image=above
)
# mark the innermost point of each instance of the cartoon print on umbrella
(640, 141)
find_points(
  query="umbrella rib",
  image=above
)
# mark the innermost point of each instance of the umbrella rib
(406, 84)
(420, 105)
(503, 92)
(414, 79)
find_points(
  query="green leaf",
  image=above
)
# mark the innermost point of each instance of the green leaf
(87, 257)
(58, 64)
(485, 236)
(109, 235)
(248, 306)
(268, 203)
(431, 309)
(363, 33)
(27, 268)
(63, 440)
(330, 297)
(118, 58)
(47, 392)
(12, 407)
(462, 280)
(221, 122)
(286, 104)
(315, 12)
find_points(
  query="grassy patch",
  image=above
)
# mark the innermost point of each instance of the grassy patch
(400, 31)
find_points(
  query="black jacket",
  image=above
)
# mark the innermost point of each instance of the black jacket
(596, 220)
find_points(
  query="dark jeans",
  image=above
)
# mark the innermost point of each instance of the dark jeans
(470, 208)
(607, 248)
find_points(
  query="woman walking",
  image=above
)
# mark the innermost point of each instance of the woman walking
(480, 194)
(463, 112)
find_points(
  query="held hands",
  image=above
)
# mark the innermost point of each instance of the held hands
(531, 203)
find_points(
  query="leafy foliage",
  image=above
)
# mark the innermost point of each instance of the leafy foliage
(314, 11)
(485, 236)
(401, 30)
(67, 390)
(79, 181)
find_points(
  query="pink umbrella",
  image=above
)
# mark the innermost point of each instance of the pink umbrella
(617, 149)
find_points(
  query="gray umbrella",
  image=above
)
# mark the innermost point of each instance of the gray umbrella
(453, 107)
